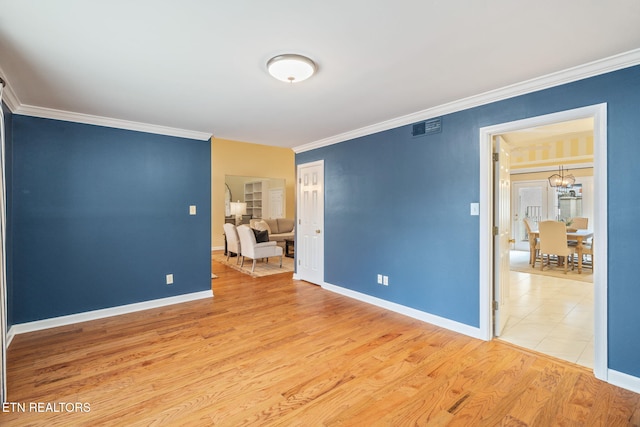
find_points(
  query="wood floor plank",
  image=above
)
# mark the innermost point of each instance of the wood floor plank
(279, 352)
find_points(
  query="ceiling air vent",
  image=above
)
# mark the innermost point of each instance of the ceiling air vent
(427, 127)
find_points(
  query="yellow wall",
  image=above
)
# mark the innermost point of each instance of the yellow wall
(242, 158)
(567, 149)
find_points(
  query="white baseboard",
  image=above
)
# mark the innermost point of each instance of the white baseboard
(10, 335)
(54, 322)
(407, 311)
(217, 248)
(623, 380)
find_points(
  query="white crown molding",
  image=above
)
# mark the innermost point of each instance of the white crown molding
(9, 98)
(548, 168)
(591, 69)
(69, 116)
(518, 167)
(8, 95)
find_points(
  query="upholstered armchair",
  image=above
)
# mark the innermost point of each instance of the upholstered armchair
(254, 250)
(233, 242)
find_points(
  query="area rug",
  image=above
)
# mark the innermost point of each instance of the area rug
(262, 268)
(520, 262)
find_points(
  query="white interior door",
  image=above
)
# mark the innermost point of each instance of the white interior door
(310, 228)
(502, 223)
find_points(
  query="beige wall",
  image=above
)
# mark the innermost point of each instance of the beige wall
(242, 158)
(565, 149)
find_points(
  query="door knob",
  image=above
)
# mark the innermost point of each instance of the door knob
(512, 240)
(317, 231)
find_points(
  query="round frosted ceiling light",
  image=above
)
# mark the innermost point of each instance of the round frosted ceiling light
(291, 68)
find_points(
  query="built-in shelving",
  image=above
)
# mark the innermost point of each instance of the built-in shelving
(256, 197)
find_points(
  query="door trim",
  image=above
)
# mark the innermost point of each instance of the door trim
(599, 114)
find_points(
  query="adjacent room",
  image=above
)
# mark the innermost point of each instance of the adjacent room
(552, 311)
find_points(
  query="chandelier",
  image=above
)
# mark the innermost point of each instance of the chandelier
(562, 178)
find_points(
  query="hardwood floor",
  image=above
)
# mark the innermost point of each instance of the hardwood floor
(274, 351)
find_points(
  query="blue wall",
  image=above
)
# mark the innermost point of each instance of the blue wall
(399, 206)
(101, 215)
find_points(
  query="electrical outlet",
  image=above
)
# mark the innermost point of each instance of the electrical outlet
(380, 279)
(192, 210)
(385, 280)
(169, 279)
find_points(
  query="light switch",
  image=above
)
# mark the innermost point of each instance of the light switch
(475, 208)
(192, 210)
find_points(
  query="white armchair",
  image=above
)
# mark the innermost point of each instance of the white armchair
(233, 242)
(253, 250)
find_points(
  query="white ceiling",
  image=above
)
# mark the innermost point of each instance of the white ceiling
(201, 65)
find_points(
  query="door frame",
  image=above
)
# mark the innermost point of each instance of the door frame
(599, 113)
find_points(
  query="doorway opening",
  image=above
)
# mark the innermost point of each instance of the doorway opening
(490, 200)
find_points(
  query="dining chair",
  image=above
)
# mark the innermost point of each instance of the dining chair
(553, 241)
(528, 223)
(587, 249)
(580, 223)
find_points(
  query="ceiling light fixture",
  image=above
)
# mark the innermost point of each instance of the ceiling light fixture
(291, 68)
(562, 179)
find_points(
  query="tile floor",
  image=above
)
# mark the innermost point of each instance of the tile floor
(553, 316)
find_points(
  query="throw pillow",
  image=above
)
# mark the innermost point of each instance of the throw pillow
(262, 225)
(261, 235)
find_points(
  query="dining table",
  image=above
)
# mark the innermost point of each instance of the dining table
(578, 236)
